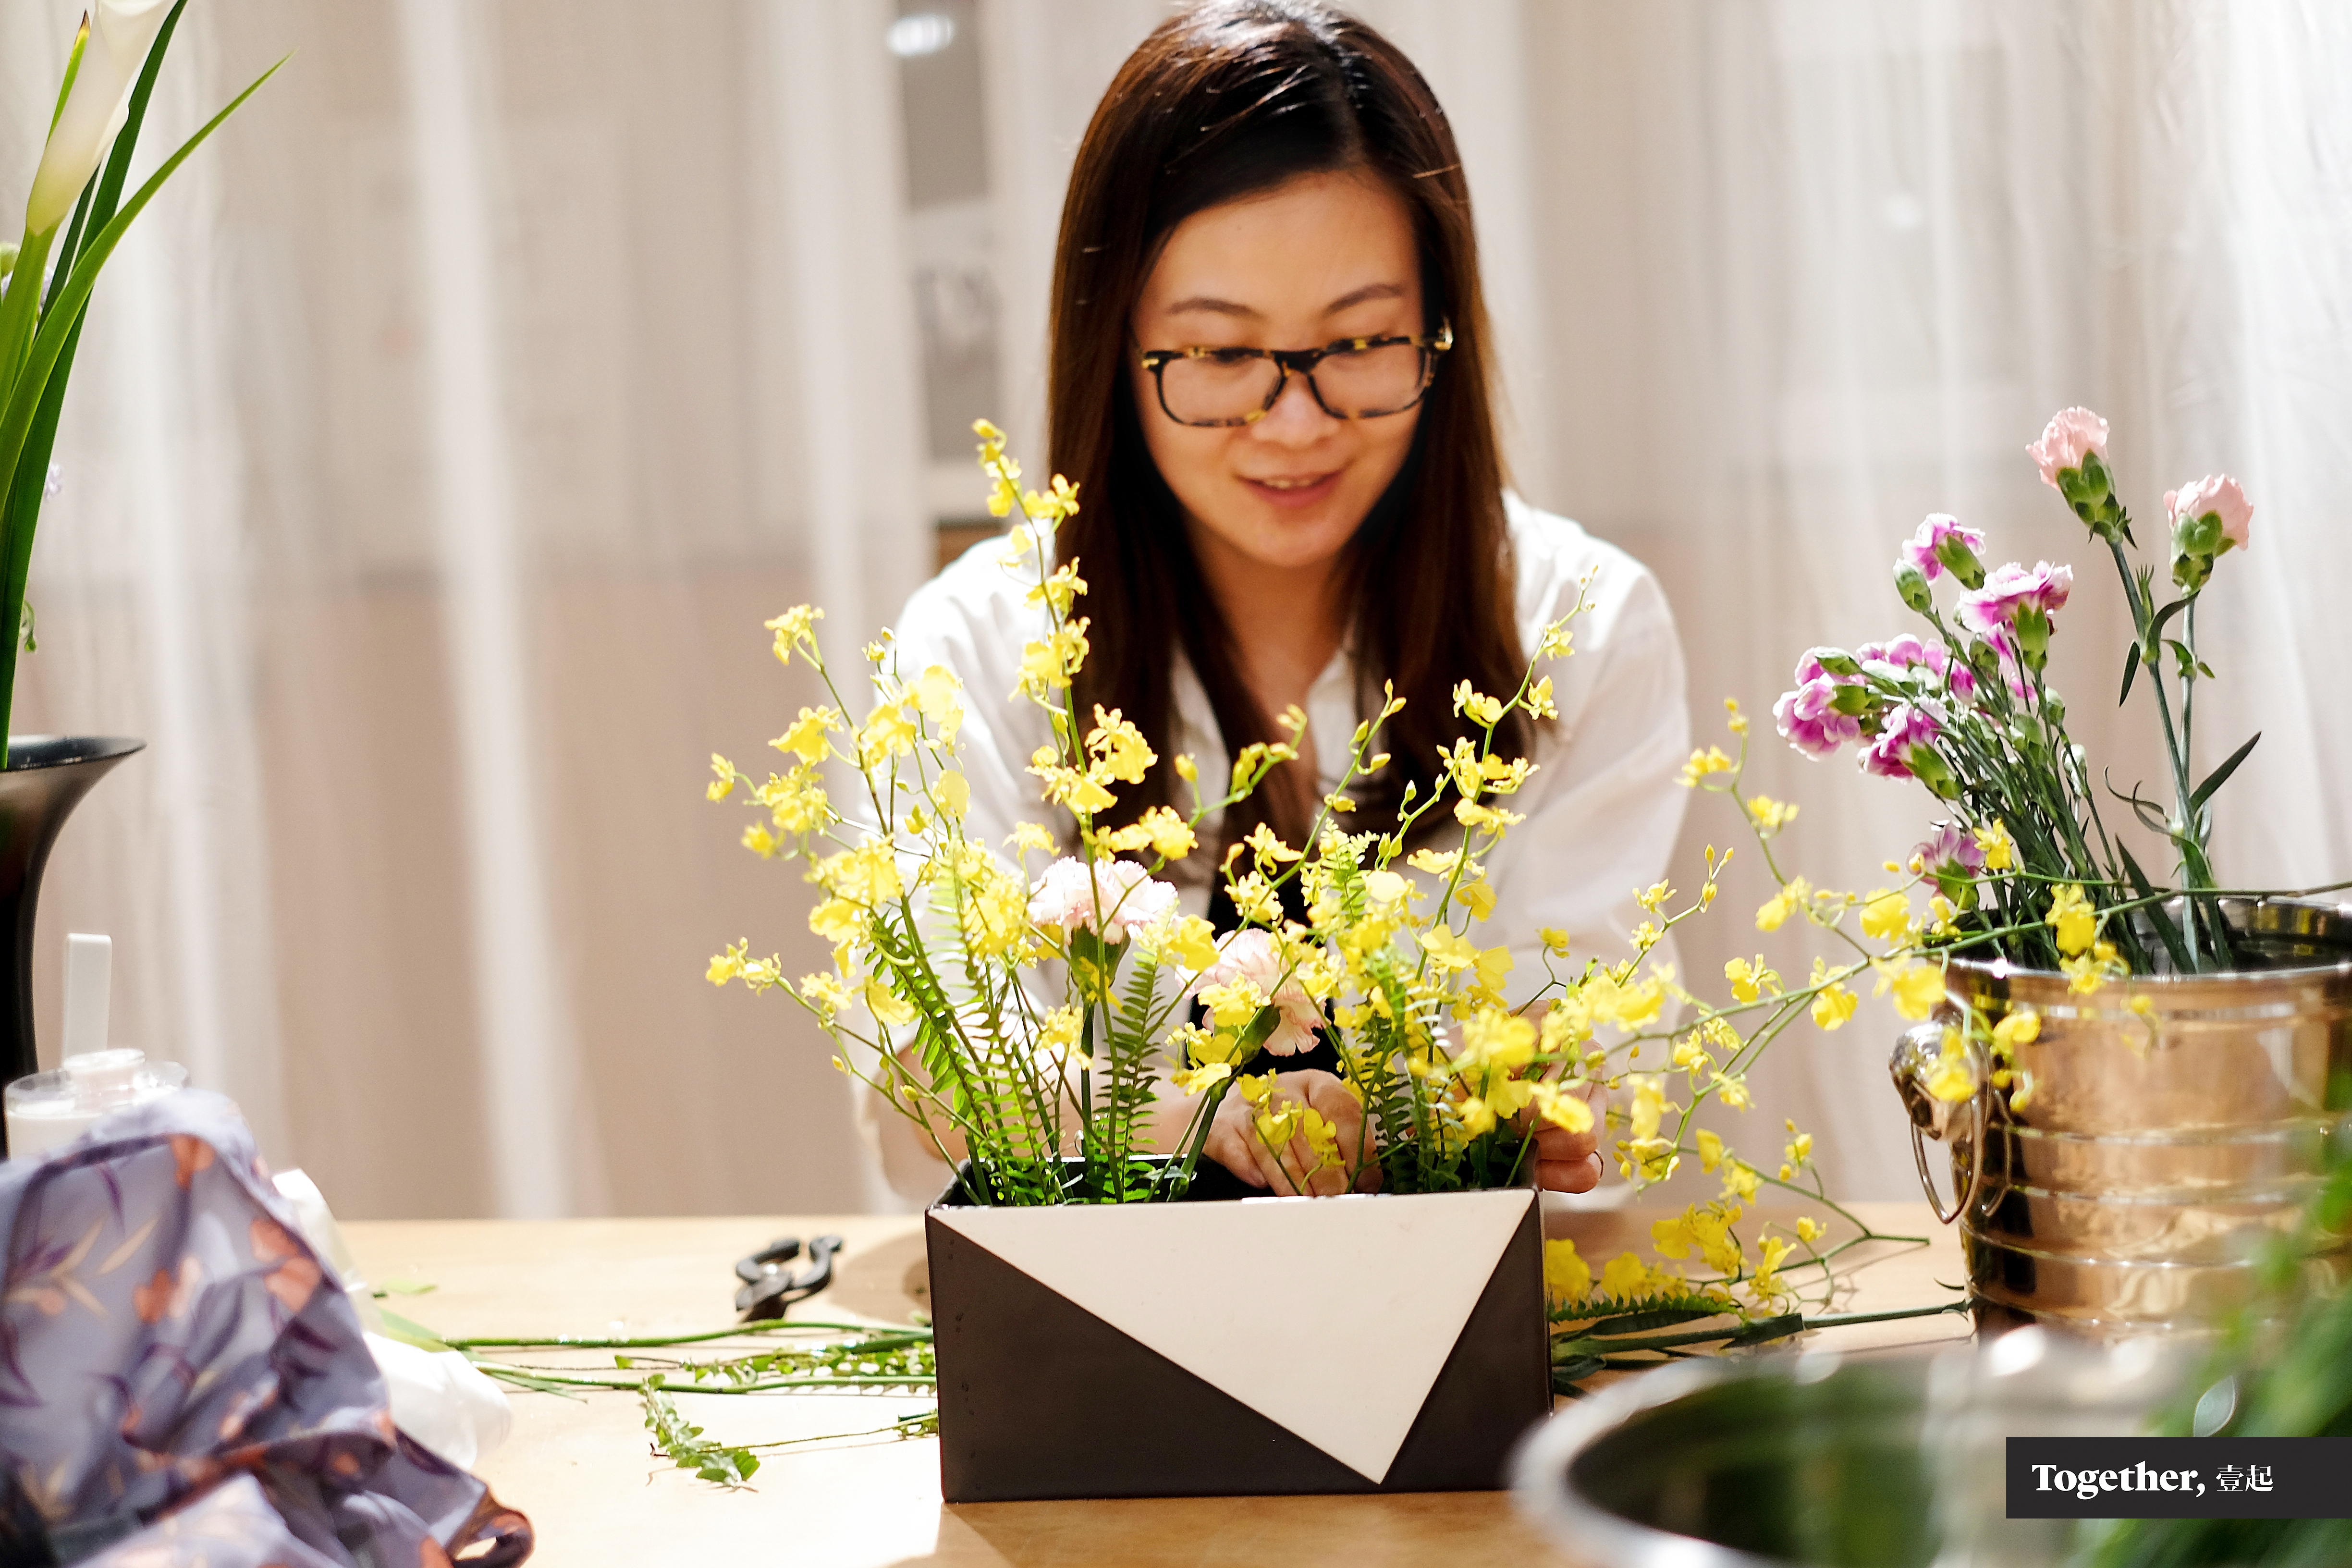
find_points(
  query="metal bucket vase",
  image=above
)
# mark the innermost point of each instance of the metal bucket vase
(2160, 1148)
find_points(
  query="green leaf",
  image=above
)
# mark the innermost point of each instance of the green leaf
(410, 1286)
(50, 343)
(2220, 776)
(72, 246)
(134, 116)
(20, 513)
(73, 69)
(20, 309)
(2131, 667)
(396, 1327)
(1642, 1323)
(522, 1379)
(2158, 916)
(35, 388)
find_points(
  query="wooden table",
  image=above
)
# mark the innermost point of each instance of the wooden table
(581, 1468)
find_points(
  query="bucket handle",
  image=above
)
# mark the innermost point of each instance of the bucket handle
(1914, 1052)
(1976, 1165)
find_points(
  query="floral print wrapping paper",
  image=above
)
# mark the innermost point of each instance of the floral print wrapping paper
(183, 1383)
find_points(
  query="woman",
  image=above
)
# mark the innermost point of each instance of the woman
(1270, 382)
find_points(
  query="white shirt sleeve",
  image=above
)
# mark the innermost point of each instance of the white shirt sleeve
(974, 618)
(1605, 803)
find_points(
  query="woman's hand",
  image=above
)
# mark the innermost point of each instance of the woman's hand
(1570, 1161)
(1233, 1141)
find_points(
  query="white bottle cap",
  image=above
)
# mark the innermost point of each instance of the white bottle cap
(52, 1109)
(105, 1080)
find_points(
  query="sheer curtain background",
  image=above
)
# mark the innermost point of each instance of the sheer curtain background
(442, 438)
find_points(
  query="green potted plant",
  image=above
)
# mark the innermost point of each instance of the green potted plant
(74, 217)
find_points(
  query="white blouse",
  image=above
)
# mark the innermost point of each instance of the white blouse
(1602, 805)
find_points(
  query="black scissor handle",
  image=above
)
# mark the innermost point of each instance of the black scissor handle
(777, 1288)
(765, 1261)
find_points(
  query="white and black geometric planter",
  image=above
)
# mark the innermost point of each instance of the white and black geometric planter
(1257, 1346)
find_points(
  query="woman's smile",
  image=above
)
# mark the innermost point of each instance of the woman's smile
(1295, 490)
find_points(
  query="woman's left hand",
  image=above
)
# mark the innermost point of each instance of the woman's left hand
(1292, 1170)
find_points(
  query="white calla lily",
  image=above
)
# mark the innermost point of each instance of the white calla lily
(120, 32)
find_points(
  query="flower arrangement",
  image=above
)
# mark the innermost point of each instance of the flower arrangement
(2025, 866)
(1031, 1007)
(2026, 863)
(74, 218)
(1045, 994)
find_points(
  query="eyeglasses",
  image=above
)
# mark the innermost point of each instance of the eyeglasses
(1355, 378)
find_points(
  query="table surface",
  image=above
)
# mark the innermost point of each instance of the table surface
(581, 1468)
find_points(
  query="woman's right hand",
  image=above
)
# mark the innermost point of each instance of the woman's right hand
(1570, 1161)
(1291, 1171)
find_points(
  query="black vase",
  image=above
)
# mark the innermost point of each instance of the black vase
(46, 775)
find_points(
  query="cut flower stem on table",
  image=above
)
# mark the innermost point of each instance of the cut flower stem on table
(797, 1357)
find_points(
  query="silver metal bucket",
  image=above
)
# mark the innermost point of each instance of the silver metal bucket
(2159, 1150)
(1831, 1461)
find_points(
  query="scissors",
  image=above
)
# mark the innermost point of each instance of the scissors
(768, 1285)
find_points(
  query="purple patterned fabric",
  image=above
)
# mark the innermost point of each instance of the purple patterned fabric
(182, 1382)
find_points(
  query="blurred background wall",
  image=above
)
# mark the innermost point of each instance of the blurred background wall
(442, 437)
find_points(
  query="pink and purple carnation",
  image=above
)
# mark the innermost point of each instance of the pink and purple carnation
(1952, 852)
(1905, 652)
(1921, 550)
(1993, 608)
(1907, 732)
(1807, 717)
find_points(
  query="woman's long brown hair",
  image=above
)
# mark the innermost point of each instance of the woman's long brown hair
(1221, 101)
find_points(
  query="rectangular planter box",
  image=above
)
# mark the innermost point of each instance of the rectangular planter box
(1266, 1345)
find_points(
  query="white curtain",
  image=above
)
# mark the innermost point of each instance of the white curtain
(1822, 267)
(441, 439)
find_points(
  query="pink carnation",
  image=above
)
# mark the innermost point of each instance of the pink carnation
(1067, 897)
(1952, 851)
(2071, 434)
(1904, 651)
(1907, 730)
(1806, 719)
(1919, 550)
(1253, 955)
(1811, 668)
(2012, 667)
(1993, 608)
(2216, 493)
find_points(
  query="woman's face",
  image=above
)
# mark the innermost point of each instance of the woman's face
(1320, 258)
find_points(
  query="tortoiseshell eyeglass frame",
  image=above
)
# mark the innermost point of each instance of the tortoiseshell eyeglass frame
(1301, 362)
